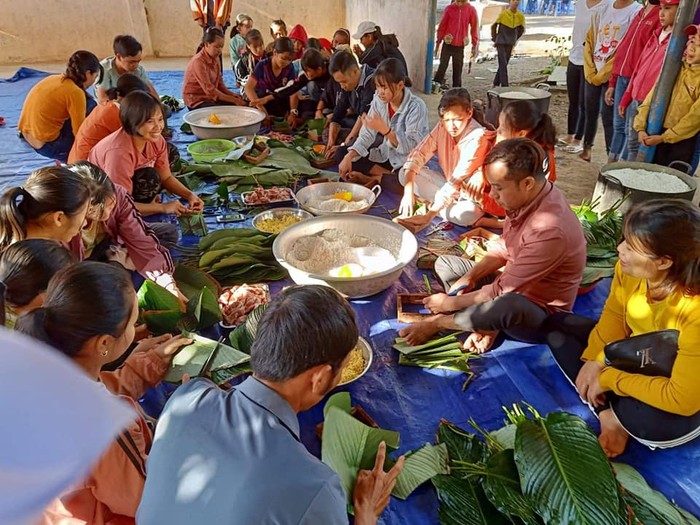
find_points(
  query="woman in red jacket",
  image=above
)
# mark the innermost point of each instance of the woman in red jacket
(459, 22)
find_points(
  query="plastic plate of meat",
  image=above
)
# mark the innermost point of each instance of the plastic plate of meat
(268, 196)
(237, 302)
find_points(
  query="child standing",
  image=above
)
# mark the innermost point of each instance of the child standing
(682, 122)
(505, 33)
(459, 22)
(237, 45)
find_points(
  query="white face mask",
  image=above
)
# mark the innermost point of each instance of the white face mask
(342, 47)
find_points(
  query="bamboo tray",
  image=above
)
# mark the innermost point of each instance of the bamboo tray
(404, 313)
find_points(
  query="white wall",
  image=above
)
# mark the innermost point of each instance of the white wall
(409, 19)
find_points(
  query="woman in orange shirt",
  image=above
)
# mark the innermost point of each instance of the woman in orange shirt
(89, 315)
(56, 107)
(104, 119)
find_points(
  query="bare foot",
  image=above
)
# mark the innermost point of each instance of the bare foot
(480, 342)
(613, 437)
(420, 332)
(585, 154)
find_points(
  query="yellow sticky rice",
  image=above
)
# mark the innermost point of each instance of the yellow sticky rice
(278, 224)
(354, 368)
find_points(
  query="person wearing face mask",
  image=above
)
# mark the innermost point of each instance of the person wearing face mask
(57, 105)
(296, 361)
(51, 204)
(542, 252)
(126, 59)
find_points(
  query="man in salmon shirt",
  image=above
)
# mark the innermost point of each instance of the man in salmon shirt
(459, 22)
(542, 254)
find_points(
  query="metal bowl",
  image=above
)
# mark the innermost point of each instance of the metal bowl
(197, 119)
(386, 234)
(326, 189)
(278, 213)
(367, 353)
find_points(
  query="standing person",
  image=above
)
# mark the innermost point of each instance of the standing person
(296, 361)
(212, 13)
(254, 53)
(397, 117)
(51, 204)
(237, 44)
(89, 315)
(505, 33)
(646, 73)
(459, 194)
(627, 58)
(270, 75)
(57, 105)
(575, 80)
(678, 137)
(377, 46)
(203, 85)
(656, 287)
(459, 22)
(126, 60)
(608, 27)
(542, 252)
(104, 119)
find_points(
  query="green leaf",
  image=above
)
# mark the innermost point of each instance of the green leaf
(161, 322)
(191, 280)
(461, 445)
(253, 319)
(226, 374)
(463, 502)
(241, 339)
(204, 309)
(501, 484)
(505, 436)
(186, 128)
(564, 471)
(285, 158)
(191, 358)
(152, 296)
(688, 518)
(650, 507)
(420, 466)
(339, 400)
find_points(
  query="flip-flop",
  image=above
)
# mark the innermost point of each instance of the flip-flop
(563, 142)
(573, 148)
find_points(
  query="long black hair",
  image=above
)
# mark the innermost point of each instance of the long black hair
(521, 115)
(79, 64)
(98, 182)
(460, 97)
(127, 83)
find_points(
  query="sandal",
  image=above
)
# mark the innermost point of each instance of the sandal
(573, 148)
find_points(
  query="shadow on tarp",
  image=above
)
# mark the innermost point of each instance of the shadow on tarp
(409, 400)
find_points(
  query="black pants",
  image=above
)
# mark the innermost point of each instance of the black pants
(146, 187)
(504, 54)
(514, 314)
(456, 53)
(211, 104)
(278, 107)
(363, 164)
(567, 338)
(575, 83)
(595, 105)
(683, 151)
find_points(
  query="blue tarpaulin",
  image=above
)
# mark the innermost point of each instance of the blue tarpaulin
(406, 399)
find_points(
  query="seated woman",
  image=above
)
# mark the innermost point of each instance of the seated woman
(461, 143)
(270, 75)
(136, 158)
(397, 119)
(88, 315)
(112, 219)
(25, 270)
(57, 105)
(656, 287)
(377, 47)
(104, 119)
(341, 39)
(203, 85)
(51, 204)
(125, 61)
(254, 53)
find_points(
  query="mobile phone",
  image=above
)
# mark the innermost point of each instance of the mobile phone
(229, 217)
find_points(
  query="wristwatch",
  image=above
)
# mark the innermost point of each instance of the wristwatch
(294, 111)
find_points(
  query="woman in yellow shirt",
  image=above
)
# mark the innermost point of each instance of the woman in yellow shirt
(656, 287)
(56, 107)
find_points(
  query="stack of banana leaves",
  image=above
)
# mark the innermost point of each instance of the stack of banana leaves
(235, 256)
(603, 233)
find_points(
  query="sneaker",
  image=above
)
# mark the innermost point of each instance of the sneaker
(574, 148)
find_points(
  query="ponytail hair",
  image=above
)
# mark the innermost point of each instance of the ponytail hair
(390, 71)
(83, 300)
(127, 83)
(522, 157)
(47, 190)
(79, 64)
(523, 115)
(26, 268)
(98, 182)
(211, 34)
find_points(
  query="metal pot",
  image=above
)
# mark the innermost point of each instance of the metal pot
(386, 234)
(610, 190)
(326, 189)
(206, 130)
(497, 101)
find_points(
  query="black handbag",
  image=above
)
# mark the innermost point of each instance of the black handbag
(651, 354)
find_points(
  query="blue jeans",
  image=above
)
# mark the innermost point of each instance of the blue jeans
(632, 135)
(620, 129)
(60, 147)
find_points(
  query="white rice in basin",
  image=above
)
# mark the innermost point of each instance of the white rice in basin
(651, 181)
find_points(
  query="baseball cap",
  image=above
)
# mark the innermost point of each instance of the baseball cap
(364, 28)
(692, 29)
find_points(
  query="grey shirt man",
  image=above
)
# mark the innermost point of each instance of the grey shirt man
(235, 458)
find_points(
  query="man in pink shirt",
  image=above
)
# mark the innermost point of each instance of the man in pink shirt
(459, 22)
(542, 253)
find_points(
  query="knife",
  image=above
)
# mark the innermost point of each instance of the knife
(210, 359)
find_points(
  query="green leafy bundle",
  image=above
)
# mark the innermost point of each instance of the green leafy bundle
(191, 359)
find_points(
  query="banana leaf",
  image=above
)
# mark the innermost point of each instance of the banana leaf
(463, 502)
(650, 507)
(206, 242)
(203, 309)
(688, 518)
(285, 158)
(191, 280)
(565, 473)
(592, 275)
(236, 169)
(190, 360)
(461, 445)
(420, 466)
(241, 339)
(505, 436)
(226, 374)
(161, 322)
(152, 296)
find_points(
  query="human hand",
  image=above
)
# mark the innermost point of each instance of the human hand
(621, 110)
(357, 49)
(653, 140)
(170, 346)
(119, 255)
(474, 187)
(587, 378)
(609, 96)
(641, 136)
(174, 207)
(141, 331)
(408, 202)
(375, 123)
(475, 52)
(368, 181)
(465, 280)
(291, 119)
(329, 152)
(345, 166)
(319, 114)
(373, 488)
(196, 204)
(440, 303)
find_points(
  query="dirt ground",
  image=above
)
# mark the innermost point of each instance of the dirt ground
(575, 177)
